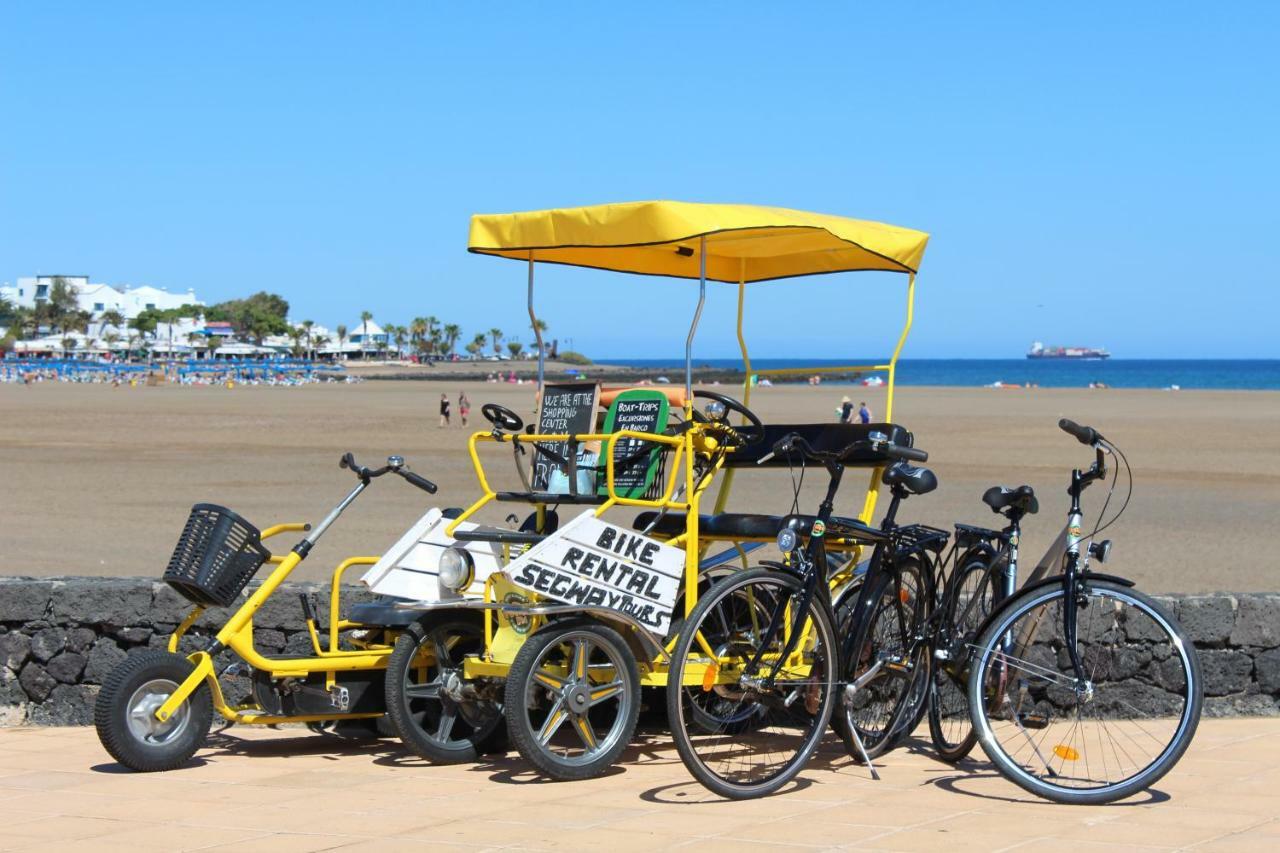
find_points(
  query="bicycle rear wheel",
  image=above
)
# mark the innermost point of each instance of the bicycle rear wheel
(746, 734)
(1096, 742)
(970, 599)
(883, 710)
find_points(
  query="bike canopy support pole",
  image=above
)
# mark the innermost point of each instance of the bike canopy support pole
(873, 491)
(693, 327)
(726, 484)
(537, 332)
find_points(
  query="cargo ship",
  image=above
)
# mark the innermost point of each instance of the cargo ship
(1039, 350)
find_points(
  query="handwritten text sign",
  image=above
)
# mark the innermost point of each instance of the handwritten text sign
(594, 563)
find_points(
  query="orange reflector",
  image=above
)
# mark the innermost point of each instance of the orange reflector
(709, 676)
(1066, 753)
(904, 596)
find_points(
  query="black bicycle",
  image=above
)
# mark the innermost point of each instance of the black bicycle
(756, 672)
(1082, 689)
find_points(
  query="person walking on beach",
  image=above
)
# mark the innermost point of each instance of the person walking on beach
(846, 410)
(444, 410)
(864, 414)
(464, 407)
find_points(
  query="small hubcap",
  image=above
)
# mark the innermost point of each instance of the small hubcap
(144, 703)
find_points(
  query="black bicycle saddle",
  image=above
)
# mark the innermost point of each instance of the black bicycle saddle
(1023, 499)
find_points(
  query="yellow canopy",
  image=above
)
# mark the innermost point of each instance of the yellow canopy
(744, 242)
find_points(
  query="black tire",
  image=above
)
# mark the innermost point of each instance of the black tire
(423, 702)
(971, 597)
(884, 711)
(141, 683)
(792, 716)
(539, 702)
(1141, 706)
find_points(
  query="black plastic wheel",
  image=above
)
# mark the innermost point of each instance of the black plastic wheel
(573, 699)
(436, 713)
(124, 713)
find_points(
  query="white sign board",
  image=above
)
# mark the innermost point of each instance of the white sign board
(592, 562)
(411, 567)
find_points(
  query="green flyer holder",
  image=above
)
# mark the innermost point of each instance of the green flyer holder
(638, 410)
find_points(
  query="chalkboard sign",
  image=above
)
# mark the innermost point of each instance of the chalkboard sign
(566, 408)
(633, 467)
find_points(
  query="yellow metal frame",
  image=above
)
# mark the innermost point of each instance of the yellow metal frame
(237, 635)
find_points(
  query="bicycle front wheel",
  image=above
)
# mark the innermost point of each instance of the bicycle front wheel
(970, 599)
(746, 731)
(1088, 741)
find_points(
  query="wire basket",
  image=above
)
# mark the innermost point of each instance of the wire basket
(217, 553)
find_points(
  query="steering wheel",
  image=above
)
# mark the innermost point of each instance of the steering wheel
(745, 436)
(501, 417)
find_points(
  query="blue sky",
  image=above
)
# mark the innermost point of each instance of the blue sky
(1095, 174)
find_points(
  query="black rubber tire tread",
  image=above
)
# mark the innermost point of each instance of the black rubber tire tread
(950, 752)
(398, 714)
(997, 627)
(675, 675)
(518, 729)
(110, 716)
(878, 746)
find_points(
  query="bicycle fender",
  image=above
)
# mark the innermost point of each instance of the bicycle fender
(783, 567)
(1043, 582)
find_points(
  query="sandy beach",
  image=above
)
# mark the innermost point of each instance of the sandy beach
(98, 480)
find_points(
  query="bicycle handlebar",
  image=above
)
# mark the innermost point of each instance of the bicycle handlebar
(394, 464)
(1082, 434)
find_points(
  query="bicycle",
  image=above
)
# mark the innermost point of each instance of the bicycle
(1083, 658)
(751, 688)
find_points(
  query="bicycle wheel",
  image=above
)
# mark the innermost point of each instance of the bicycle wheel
(970, 599)
(883, 657)
(1095, 742)
(746, 734)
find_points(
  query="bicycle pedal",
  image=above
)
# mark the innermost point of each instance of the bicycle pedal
(1034, 721)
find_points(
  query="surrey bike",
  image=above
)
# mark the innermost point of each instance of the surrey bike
(155, 708)
(1082, 689)
(753, 680)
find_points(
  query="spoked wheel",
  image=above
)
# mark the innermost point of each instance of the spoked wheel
(573, 698)
(972, 599)
(436, 713)
(1088, 741)
(890, 670)
(746, 732)
(124, 713)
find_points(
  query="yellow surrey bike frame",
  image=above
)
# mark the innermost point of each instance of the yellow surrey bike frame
(738, 244)
(237, 633)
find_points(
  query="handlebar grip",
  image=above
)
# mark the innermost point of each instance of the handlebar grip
(908, 453)
(421, 482)
(347, 461)
(1083, 434)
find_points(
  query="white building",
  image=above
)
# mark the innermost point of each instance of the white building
(98, 298)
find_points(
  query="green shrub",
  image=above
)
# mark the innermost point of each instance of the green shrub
(571, 357)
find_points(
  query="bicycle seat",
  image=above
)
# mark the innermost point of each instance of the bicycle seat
(1022, 499)
(916, 481)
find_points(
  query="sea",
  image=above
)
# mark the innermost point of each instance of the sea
(1223, 374)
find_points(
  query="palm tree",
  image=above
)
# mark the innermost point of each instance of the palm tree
(496, 335)
(514, 348)
(452, 332)
(320, 342)
(365, 317)
(110, 318)
(307, 325)
(399, 334)
(417, 332)
(111, 339)
(296, 334)
(342, 340)
(68, 344)
(477, 344)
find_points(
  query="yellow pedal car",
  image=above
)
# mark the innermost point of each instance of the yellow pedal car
(557, 624)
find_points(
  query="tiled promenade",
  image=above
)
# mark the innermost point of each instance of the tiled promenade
(285, 791)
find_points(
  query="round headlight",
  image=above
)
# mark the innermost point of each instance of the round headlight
(715, 410)
(456, 569)
(787, 540)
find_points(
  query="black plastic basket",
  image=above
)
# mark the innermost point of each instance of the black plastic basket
(216, 556)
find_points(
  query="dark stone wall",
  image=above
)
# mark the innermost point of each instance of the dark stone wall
(59, 637)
